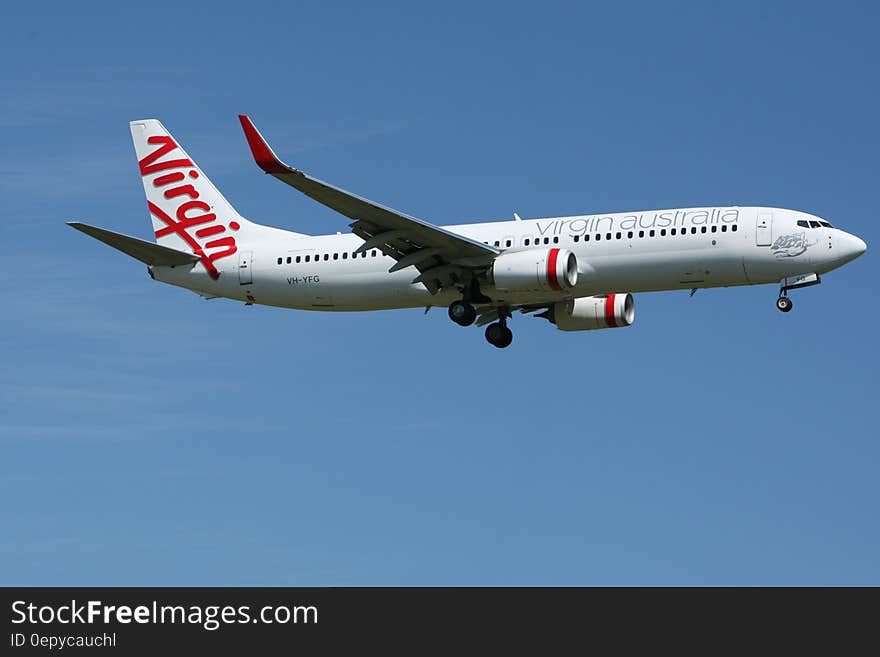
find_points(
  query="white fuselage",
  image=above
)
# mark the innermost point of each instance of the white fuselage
(623, 252)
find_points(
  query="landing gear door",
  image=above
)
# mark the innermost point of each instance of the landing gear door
(764, 228)
(245, 267)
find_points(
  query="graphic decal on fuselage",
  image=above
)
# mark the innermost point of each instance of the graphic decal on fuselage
(644, 221)
(791, 246)
(171, 172)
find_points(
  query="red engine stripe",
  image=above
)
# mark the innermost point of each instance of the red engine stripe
(551, 269)
(609, 311)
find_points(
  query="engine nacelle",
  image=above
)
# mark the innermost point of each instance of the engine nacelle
(535, 270)
(590, 313)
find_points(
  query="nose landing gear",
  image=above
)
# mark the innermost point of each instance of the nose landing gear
(794, 283)
(784, 303)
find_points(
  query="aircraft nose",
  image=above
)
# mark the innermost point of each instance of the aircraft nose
(862, 246)
(853, 247)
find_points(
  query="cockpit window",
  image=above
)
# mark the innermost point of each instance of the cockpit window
(813, 224)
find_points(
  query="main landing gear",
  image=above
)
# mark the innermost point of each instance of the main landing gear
(498, 335)
(462, 313)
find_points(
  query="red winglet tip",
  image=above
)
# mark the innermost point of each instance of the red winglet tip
(263, 155)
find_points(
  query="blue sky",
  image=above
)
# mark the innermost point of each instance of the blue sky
(150, 437)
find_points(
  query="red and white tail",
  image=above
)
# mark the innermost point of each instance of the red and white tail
(188, 212)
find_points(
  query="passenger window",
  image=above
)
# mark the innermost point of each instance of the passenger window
(724, 228)
(326, 256)
(651, 234)
(279, 261)
(586, 238)
(308, 258)
(546, 240)
(662, 232)
(629, 235)
(345, 255)
(617, 236)
(526, 241)
(298, 259)
(363, 254)
(556, 240)
(289, 260)
(641, 233)
(497, 243)
(336, 256)
(373, 255)
(598, 236)
(577, 238)
(693, 230)
(507, 243)
(703, 229)
(733, 228)
(714, 229)
(672, 231)
(607, 236)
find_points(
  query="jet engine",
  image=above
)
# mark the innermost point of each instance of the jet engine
(590, 313)
(536, 270)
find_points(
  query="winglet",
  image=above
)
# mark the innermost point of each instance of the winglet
(265, 158)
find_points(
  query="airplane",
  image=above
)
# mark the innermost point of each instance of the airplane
(577, 272)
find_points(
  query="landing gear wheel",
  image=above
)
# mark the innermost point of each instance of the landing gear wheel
(784, 304)
(462, 313)
(498, 335)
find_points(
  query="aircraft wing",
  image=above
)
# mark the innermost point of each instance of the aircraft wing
(441, 256)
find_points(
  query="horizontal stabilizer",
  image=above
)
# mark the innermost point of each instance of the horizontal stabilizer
(147, 252)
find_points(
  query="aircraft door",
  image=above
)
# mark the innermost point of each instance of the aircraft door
(245, 267)
(764, 228)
